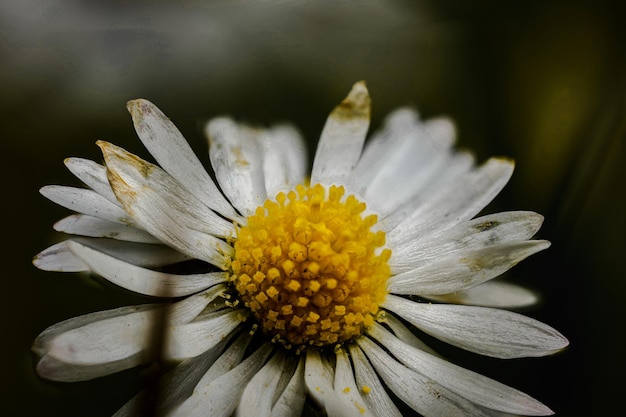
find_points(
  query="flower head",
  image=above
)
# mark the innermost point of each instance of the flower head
(300, 283)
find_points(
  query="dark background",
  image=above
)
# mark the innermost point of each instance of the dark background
(542, 82)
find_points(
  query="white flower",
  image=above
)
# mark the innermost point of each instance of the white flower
(300, 284)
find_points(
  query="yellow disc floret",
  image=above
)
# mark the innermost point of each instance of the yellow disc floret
(310, 268)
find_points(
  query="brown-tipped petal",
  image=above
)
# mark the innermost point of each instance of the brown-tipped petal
(342, 139)
(164, 208)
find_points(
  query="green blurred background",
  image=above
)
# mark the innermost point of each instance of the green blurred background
(540, 81)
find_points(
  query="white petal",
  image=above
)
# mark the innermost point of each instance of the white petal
(442, 130)
(231, 357)
(59, 258)
(422, 394)
(93, 175)
(140, 254)
(346, 388)
(395, 129)
(142, 280)
(104, 341)
(85, 201)
(406, 335)
(373, 391)
(464, 269)
(457, 166)
(487, 331)
(256, 399)
(458, 202)
(84, 225)
(284, 161)
(494, 293)
(403, 167)
(471, 385)
(318, 377)
(192, 339)
(342, 138)
(164, 208)
(41, 344)
(220, 397)
(55, 369)
(171, 150)
(174, 387)
(189, 308)
(489, 230)
(95, 344)
(292, 398)
(237, 159)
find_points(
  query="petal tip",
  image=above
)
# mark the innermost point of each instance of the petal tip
(355, 105)
(135, 106)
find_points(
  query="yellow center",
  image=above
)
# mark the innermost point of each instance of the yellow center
(310, 268)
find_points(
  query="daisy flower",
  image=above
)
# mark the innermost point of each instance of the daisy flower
(274, 286)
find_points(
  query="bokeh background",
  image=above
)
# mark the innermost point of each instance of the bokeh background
(540, 81)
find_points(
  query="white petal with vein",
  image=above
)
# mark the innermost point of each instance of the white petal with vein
(256, 400)
(494, 293)
(192, 339)
(460, 201)
(374, 393)
(346, 388)
(171, 150)
(487, 331)
(237, 158)
(85, 201)
(422, 394)
(93, 175)
(220, 397)
(142, 280)
(464, 269)
(471, 385)
(292, 399)
(489, 230)
(284, 161)
(84, 225)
